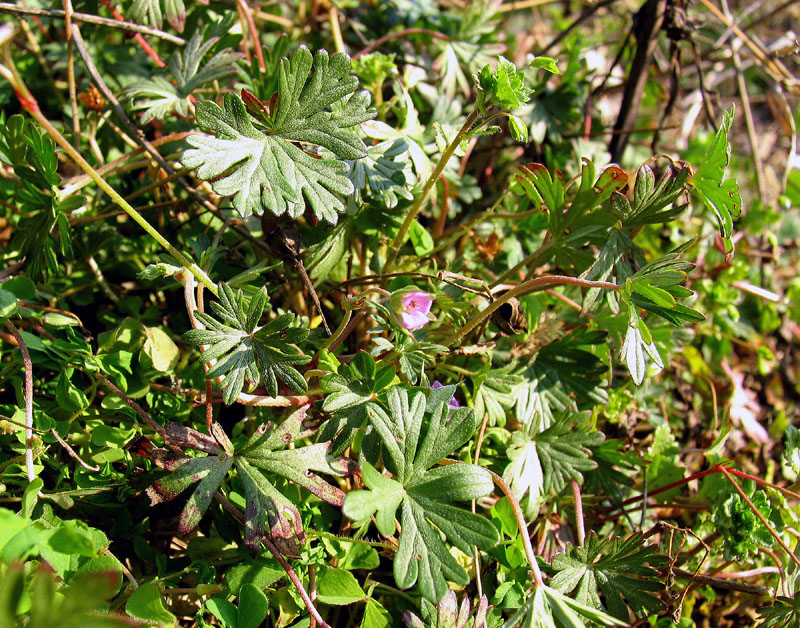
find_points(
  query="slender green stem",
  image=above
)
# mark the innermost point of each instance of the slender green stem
(29, 103)
(414, 209)
(339, 331)
(523, 288)
(346, 539)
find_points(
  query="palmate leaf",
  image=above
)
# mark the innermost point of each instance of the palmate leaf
(784, 613)
(33, 157)
(543, 463)
(160, 96)
(570, 364)
(263, 455)
(384, 174)
(496, 392)
(268, 170)
(563, 451)
(652, 203)
(349, 390)
(719, 195)
(210, 471)
(244, 354)
(620, 568)
(409, 452)
(546, 607)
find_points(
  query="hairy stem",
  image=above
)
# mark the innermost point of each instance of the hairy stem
(523, 288)
(28, 389)
(581, 529)
(414, 209)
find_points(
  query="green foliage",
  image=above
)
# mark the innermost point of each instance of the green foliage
(742, 529)
(84, 603)
(619, 568)
(547, 607)
(160, 96)
(246, 354)
(153, 12)
(263, 169)
(638, 355)
(505, 86)
(409, 453)
(783, 613)
(265, 452)
(720, 195)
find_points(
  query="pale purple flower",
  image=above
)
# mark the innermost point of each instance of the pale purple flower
(453, 403)
(415, 308)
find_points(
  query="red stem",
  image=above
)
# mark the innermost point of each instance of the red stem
(408, 31)
(717, 468)
(138, 37)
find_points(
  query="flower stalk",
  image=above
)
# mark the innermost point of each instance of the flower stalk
(437, 172)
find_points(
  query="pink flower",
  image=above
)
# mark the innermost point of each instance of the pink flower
(415, 308)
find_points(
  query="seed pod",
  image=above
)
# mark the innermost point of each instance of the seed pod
(510, 318)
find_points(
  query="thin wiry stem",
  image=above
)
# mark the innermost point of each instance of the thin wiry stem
(138, 409)
(28, 390)
(30, 105)
(538, 580)
(237, 514)
(251, 26)
(60, 14)
(581, 529)
(398, 35)
(73, 94)
(71, 451)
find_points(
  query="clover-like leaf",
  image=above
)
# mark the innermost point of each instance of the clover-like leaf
(424, 494)
(720, 195)
(620, 568)
(266, 169)
(245, 354)
(159, 96)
